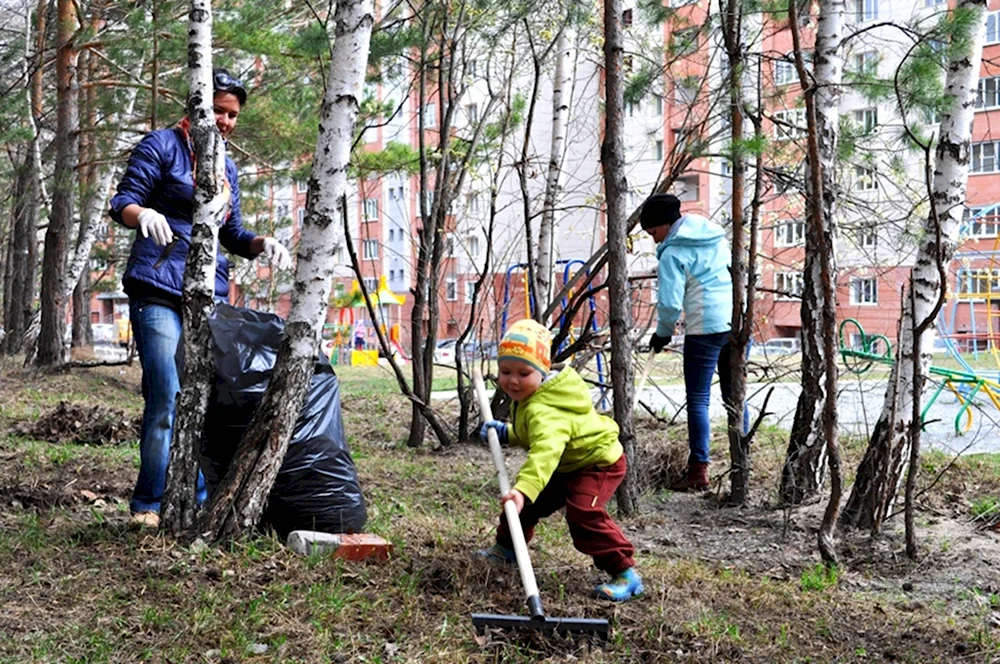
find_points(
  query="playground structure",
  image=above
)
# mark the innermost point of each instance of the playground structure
(967, 326)
(343, 342)
(530, 305)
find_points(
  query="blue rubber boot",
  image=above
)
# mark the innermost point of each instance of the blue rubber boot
(622, 588)
(498, 555)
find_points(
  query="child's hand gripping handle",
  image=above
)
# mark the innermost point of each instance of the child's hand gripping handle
(509, 509)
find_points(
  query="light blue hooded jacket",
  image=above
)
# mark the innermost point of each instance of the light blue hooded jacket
(693, 277)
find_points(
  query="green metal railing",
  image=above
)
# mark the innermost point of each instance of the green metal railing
(876, 349)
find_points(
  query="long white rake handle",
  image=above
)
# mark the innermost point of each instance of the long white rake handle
(509, 509)
(642, 377)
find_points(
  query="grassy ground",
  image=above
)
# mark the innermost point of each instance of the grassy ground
(78, 586)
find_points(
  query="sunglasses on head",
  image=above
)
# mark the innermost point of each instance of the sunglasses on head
(223, 82)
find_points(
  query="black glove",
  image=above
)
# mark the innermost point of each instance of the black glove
(658, 343)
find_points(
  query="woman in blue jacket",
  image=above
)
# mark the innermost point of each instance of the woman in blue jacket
(156, 196)
(693, 262)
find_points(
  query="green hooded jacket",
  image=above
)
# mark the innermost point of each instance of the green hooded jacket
(561, 431)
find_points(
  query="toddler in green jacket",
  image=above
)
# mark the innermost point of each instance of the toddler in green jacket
(574, 458)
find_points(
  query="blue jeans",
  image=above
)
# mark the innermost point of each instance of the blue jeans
(703, 353)
(157, 331)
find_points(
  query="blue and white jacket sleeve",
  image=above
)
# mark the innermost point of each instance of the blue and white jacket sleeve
(671, 279)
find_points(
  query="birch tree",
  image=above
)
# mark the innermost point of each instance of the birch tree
(814, 424)
(240, 499)
(880, 472)
(53, 300)
(560, 116)
(211, 197)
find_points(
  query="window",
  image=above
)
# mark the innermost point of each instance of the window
(684, 95)
(301, 187)
(449, 246)
(392, 275)
(371, 284)
(680, 3)
(988, 95)
(865, 10)
(686, 189)
(472, 112)
(627, 18)
(392, 234)
(984, 158)
(864, 290)
(430, 115)
(474, 203)
(790, 233)
(429, 197)
(451, 289)
(101, 230)
(658, 150)
(470, 68)
(868, 236)
(993, 28)
(338, 254)
(784, 71)
(866, 64)
(301, 217)
(789, 125)
(98, 264)
(369, 250)
(630, 108)
(684, 42)
(370, 209)
(473, 246)
(657, 105)
(867, 119)
(864, 179)
(470, 292)
(977, 281)
(933, 3)
(788, 285)
(980, 225)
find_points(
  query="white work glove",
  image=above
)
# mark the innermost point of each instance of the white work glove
(277, 254)
(155, 225)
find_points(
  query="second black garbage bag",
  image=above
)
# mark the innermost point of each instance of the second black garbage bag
(317, 487)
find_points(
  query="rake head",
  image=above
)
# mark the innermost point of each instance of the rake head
(595, 626)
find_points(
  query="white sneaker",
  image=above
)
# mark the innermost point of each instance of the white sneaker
(145, 520)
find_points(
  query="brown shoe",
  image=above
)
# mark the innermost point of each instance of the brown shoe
(696, 480)
(141, 520)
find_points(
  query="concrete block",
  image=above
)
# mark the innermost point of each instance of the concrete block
(349, 547)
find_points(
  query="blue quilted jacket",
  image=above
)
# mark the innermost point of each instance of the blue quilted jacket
(159, 177)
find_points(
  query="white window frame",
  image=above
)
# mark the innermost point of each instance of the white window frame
(473, 246)
(369, 211)
(658, 105)
(784, 71)
(472, 113)
(300, 217)
(988, 226)
(981, 161)
(988, 93)
(790, 233)
(865, 11)
(864, 291)
(685, 95)
(470, 291)
(301, 186)
(788, 286)
(430, 115)
(868, 236)
(992, 28)
(866, 63)
(369, 250)
(371, 284)
(794, 127)
(451, 289)
(865, 179)
(475, 199)
(658, 150)
(973, 281)
(867, 119)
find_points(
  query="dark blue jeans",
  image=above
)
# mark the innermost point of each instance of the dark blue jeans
(703, 354)
(157, 331)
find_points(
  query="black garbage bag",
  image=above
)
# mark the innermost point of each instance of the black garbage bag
(317, 487)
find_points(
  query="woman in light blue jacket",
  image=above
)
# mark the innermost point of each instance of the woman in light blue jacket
(693, 277)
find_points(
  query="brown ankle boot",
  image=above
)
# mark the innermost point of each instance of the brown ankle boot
(696, 480)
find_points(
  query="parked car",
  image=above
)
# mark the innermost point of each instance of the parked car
(778, 346)
(444, 352)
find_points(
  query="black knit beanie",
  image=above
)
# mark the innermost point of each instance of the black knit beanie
(659, 210)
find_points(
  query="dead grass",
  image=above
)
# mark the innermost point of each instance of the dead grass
(723, 585)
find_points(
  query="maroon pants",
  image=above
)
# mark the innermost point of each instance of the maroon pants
(584, 493)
